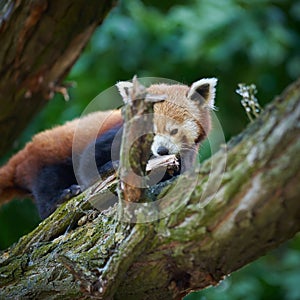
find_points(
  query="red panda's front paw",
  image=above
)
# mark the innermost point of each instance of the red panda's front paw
(69, 193)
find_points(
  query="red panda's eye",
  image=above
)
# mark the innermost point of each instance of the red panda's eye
(174, 131)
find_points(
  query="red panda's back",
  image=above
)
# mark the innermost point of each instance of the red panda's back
(53, 146)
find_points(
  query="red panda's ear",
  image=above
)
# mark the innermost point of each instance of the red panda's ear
(204, 91)
(124, 88)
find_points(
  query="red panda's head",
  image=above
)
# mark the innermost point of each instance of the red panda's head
(183, 119)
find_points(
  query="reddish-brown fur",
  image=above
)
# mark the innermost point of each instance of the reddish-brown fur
(49, 147)
(55, 145)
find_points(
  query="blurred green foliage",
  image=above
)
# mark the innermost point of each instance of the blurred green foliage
(250, 41)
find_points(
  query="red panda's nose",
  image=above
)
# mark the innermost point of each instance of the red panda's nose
(162, 150)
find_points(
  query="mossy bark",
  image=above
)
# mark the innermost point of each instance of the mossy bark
(40, 41)
(79, 253)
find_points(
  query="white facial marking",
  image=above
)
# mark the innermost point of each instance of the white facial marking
(191, 128)
(163, 141)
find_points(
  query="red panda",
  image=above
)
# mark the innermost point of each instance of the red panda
(44, 168)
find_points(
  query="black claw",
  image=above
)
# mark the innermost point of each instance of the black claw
(69, 193)
(75, 189)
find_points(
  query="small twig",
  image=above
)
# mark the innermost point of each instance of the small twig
(167, 161)
(61, 89)
(249, 101)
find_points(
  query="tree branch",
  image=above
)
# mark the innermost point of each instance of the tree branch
(37, 52)
(135, 150)
(136, 143)
(214, 231)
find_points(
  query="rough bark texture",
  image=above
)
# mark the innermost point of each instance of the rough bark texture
(135, 149)
(136, 143)
(40, 41)
(78, 253)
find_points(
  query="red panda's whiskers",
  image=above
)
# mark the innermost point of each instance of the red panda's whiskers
(189, 147)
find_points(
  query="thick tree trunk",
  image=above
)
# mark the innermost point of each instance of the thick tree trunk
(40, 41)
(79, 253)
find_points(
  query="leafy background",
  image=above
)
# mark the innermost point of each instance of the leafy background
(251, 41)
